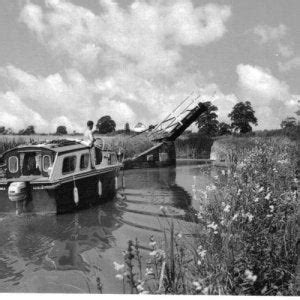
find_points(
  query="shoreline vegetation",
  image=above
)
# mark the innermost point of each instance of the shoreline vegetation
(244, 236)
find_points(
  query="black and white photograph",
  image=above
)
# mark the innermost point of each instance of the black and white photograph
(149, 147)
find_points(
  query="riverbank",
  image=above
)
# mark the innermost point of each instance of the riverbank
(244, 238)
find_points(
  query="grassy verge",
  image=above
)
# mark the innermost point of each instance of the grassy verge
(243, 242)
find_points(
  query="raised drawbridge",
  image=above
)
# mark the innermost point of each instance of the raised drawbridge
(165, 133)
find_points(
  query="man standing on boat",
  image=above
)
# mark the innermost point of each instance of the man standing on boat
(88, 140)
(88, 137)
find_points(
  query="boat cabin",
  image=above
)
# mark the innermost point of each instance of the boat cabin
(54, 160)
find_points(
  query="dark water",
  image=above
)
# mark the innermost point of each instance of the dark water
(66, 253)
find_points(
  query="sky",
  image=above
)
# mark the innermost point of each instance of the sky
(65, 62)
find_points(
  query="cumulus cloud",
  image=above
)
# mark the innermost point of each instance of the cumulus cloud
(70, 99)
(48, 102)
(289, 65)
(123, 60)
(275, 36)
(147, 34)
(14, 114)
(270, 97)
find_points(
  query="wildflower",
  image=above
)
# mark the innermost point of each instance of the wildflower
(212, 225)
(216, 232)
(197, 285)
(223, 172)
(264, 289)
(199, 262)
(249, 276)
(149, 271)
(256, 199)
(118, 267)
(158, 254)
(153, 253)
(249, 216)
(140, 287)
(268, 196)
(261, 189)
(239, 192)
(204, 194)
(283, 161)
(241, 165)
(211, 187)
(271, 208)
(202, 253)
(205, 290)
(227, 208)
(235, 217)
(152, 244)
(268, 216)
(179, 235)
(119, 276)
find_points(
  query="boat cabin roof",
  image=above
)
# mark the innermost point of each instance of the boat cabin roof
(58, 146)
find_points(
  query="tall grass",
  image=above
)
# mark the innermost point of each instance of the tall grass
(244, 239)
(129, 144)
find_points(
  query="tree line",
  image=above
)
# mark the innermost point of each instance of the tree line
(241, 118)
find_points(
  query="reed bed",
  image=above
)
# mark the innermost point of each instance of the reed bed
(243, 240)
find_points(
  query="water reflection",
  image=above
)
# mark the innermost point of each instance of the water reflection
(66, 253)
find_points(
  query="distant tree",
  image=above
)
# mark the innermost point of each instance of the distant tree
(241, 117)
(106, 125)
(61, 130)
(2, 130)
(289, 122)
(9, 131)
(28, 131)
(207, 122)
(151, 127)
(127, 128)
(224, 128)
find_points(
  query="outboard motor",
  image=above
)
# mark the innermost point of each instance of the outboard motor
(17, 192)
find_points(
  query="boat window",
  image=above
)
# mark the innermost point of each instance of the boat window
(46, 162)
(69, 164)
(31, 164)
(13, 164)
(84, 161)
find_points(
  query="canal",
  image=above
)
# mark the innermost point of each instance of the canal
(66, 253)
